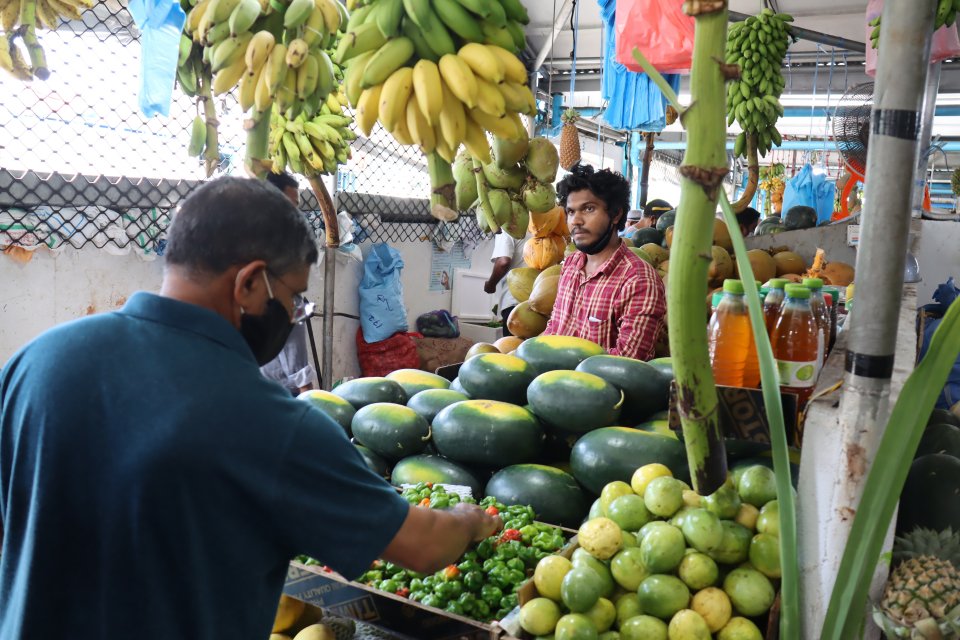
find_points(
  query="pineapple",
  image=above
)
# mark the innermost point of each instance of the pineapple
(922, 596)
(569, 139)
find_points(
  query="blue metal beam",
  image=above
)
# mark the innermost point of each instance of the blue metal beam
(791, 145)
(821, 112)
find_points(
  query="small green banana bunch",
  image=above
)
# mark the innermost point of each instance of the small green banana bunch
(946, 15)
(312, 145)
(21, 18)
(758, 46)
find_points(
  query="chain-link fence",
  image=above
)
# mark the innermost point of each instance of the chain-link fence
(80, 165)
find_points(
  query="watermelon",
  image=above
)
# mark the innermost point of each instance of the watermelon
(363, 391)
(553, 494)
(666, 219)
(573, 401)
(429, 402)
(331, 404)
(647, 235)
(496, 376)
(645, 390)
(435, 469)
(614, 453)
(799, 217)
(942, 416)
(391, 430)
(940, 438)
(931, 495)
(549, 353)
(661, 427)
(487, 432)
(414, 381)
(376, 463)
(769, 225)
(456, 386)
(663, 365)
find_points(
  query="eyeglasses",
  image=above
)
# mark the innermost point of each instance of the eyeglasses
(302, 308)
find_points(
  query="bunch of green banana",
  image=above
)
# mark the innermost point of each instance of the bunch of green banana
(21, 18)
(312, 145)
(758, 46)
(946, 15)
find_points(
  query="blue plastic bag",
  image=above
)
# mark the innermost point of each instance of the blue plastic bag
(160, 23)
(945, 295)
(382, 312)
(810, 189)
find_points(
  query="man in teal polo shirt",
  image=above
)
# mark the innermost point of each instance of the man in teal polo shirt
(154, 485)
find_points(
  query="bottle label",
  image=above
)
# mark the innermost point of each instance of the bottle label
(797, 374)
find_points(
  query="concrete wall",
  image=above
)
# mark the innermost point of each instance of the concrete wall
(937, 248)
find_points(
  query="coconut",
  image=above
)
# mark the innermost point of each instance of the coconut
(668, 237)
(539, 197)
(542, 160)
(839, 274)
(549, 272)
(663, 269)
(544, 294)
(520, 282)
(721, 267)
(511, 178)
(763, 265)
(721, 235)
(657, 253)
(789, 262)
(506, 344)
(500, 206)
(524, 322)
(516, 227)
(507, 153)
(478, 348)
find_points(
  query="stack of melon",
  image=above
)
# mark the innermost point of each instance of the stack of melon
(547, 426)
(536, 292)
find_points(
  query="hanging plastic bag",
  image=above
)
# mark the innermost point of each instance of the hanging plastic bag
(160, 23)
(945, 43)
(945, 296)
(382, 312)
(810, 189)
(660, 29)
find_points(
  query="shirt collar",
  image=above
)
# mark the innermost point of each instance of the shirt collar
(187, 317)
(606, 267)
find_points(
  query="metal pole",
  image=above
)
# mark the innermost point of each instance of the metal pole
(923, 151)
(812, 36)
(836, 460)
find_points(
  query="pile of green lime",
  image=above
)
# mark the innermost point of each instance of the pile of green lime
(657, 561)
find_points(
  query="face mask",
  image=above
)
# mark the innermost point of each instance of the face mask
(267, 333)
(601, 243)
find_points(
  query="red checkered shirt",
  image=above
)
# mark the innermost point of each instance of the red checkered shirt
(620, 307)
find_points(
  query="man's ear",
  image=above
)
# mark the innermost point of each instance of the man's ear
(249, 284)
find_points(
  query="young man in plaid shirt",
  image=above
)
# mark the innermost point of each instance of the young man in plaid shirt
(606, 293)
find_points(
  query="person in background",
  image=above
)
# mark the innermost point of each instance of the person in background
(748, 219)
(652, 212)
(292, 367)
(634, 219)
(123, 478)
(507, 254)
(606, 293)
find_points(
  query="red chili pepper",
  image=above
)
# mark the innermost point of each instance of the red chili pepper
(510, 534)
(327, 569)
(451, 572)
(425, 502)
(492, 511)
(403, 593)
(429, 485)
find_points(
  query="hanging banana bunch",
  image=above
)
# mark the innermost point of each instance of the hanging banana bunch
(758, 46)
(438, 74)
(20, 19)
(312, 146)
(946, 15)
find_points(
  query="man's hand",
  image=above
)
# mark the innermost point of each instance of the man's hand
(489, 287)
(486, 524)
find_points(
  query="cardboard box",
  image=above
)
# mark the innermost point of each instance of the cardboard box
(337, 595)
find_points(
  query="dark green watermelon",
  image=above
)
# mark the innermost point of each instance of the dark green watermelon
(931, 495)
(646, 391)
(646, 235)
(363, 391)
(800, 217)
(553, 494)
(429, 402)
(942, 416)
(375, 462)
(435, 469)
(666, 219)
(769, 225)
(940, 438)
(332, 405)
(391, 430)
(614, 453)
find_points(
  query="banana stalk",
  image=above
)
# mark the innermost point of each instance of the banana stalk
(257, 156)
(211, 155)
(704, 167)
(442, 188)
(753, 175)
(327, 210)
(28, 21)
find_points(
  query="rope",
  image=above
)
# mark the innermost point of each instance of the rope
(574, 26)
(813, 99)
(826, 120)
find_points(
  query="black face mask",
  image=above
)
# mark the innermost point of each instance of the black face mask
(596, 247)
(266, 333)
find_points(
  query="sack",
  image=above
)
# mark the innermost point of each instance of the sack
(382, 312)
(399, 351)
(810, 189)
(945, 43)
(438, 324)
(660, 29)
(945, 295)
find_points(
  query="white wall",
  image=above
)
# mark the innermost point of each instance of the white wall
(938, 250)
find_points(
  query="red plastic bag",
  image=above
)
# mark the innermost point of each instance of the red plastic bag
(660, 29)
(945, 44)
(399, 351)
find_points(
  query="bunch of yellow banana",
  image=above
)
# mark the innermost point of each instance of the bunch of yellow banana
(312, 145)
(21, 18)
(274, 56)
(12, 59)
(49, 13)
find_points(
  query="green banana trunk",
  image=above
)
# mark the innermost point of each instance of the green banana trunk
(257, 156)
(704, 167)
(38, 59)
(753, 175)
(443, 189)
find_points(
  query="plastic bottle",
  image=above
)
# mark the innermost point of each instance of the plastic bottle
(773, 301)
(751, 364)
(833, 303)
(796, 343)
(818, 305)
(729, 336)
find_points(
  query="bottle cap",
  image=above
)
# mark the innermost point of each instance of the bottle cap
(764, 291)
(813, 283)
(828, 298)
(733, 286)
(715, 300)
(777, 283)
(797, 291)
